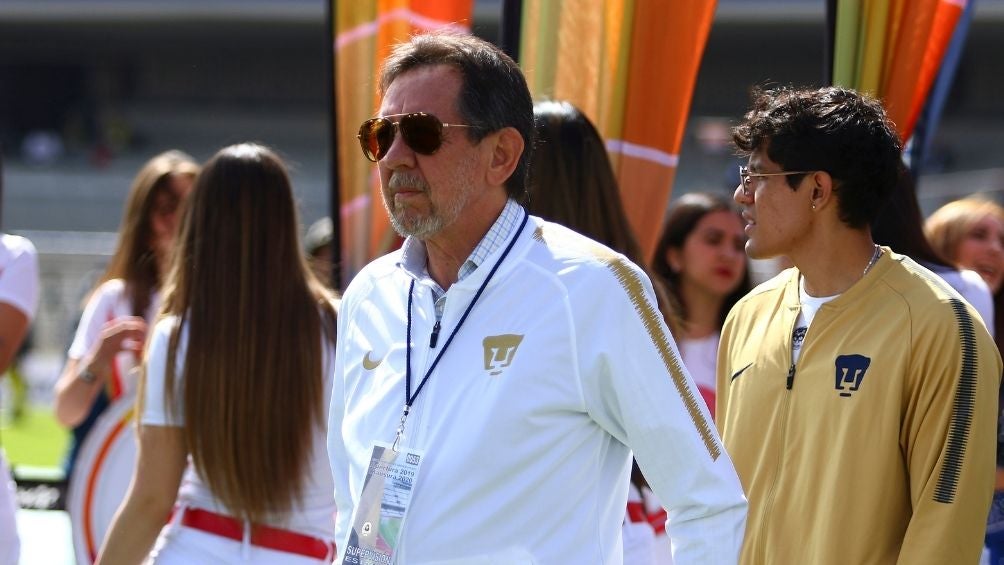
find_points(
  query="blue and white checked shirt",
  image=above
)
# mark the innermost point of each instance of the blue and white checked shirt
(414, 259)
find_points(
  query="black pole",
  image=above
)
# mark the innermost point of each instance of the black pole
(509, 27)
(335, 200)
(1, 186)
(829, 42)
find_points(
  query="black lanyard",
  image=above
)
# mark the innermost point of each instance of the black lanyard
(409, 398)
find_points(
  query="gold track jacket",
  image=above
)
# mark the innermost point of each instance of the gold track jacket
(878, 446)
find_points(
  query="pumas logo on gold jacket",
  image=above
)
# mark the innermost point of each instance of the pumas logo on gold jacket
(500, 351)
(850, 371)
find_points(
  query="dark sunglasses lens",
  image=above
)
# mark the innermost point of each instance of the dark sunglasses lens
(384, 133)
(422, 132)
(375, 138)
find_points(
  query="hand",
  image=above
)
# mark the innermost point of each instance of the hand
(118, 335)
(74, 396)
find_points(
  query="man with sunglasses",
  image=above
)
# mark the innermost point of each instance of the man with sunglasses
(857, 390)
(494, 375)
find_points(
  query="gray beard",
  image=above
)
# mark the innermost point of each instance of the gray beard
(422, 227)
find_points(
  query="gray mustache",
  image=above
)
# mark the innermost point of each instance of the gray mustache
(407, 180)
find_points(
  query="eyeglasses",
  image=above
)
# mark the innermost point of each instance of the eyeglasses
(745, 177)
(422, 132)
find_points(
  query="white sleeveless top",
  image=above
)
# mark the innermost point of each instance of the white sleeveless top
(314, 514)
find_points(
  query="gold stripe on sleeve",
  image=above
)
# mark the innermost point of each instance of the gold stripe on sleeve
(650, 317)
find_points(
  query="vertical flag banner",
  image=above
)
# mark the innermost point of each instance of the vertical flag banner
(938, 96)
(364, 32)
(893, 50)
(631, 66)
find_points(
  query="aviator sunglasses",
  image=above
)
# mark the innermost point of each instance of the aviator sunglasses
(422, 132)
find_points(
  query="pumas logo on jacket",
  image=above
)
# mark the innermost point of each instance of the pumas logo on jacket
(500, 351)
(850, 371)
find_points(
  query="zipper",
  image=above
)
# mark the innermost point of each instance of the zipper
(761, 549)
(435, 335)
(762, 541)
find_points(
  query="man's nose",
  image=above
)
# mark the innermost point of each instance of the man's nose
(740, 196)
(398, 154)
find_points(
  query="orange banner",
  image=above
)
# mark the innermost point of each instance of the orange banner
(365, 30)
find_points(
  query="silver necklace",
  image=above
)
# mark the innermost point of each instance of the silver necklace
(875, 256)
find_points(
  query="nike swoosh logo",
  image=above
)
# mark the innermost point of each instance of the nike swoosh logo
(370, 364)
(739, 372)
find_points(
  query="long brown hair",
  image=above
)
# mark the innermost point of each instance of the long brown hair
(900, 226)
(572, 182)
(134, 261)
(256, 315)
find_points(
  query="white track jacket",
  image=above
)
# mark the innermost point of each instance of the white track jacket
(528, 422)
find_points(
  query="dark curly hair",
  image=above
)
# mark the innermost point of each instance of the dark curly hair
(837, 130)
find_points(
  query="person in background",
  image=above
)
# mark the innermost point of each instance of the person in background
(856, 390)
(320, 252)
(110, 335)
(18, 303)
(571, 181)
(232, 406)
(700, 258)
(900, 226)
(969, 233)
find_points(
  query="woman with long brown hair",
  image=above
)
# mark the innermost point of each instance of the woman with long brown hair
(112, 329)
(237, 374)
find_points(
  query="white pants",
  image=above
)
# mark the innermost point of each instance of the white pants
(184, 546)
(10, 545)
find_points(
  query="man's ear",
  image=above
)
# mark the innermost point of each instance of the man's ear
(506, 149)
(822, 189)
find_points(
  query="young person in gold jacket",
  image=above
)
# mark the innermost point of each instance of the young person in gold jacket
(857, 392)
